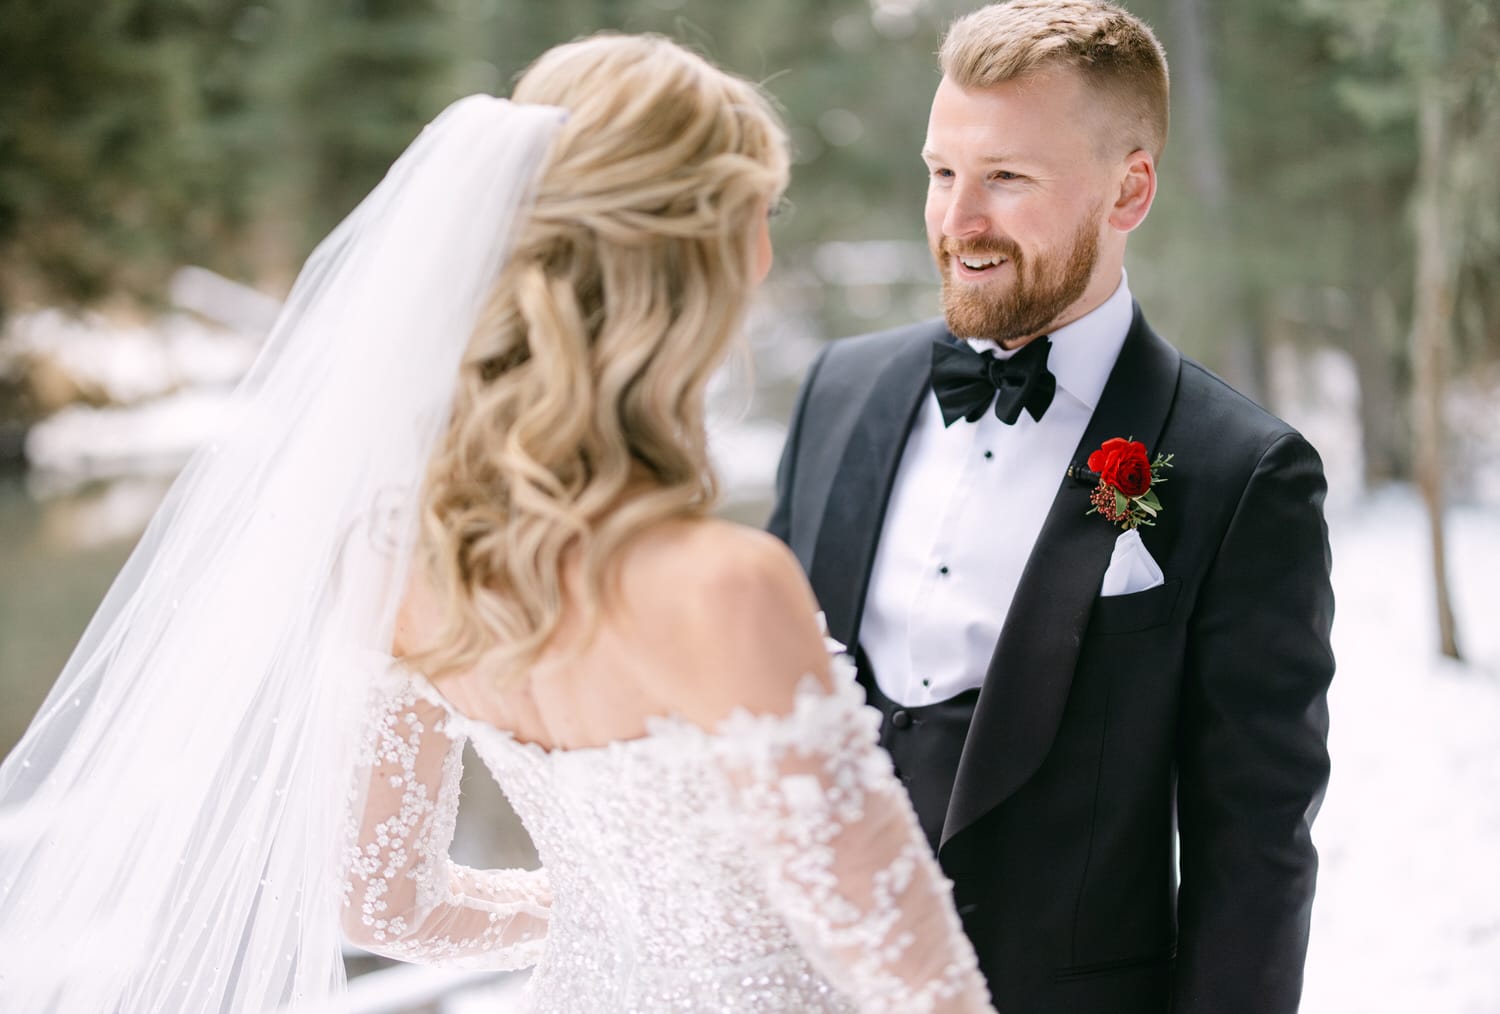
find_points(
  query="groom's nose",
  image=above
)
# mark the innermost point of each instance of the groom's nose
(965, 216)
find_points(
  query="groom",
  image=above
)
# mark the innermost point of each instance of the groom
(1114, 736)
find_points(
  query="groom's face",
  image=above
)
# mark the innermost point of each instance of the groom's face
(1016, 203)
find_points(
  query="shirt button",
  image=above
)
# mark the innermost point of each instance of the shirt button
(988, 455)
(900, 719)
(943, 570)
(927, 683)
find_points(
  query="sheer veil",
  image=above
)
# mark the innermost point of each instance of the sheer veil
(171, 823)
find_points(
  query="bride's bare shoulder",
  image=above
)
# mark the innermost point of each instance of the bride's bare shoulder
(729, 616)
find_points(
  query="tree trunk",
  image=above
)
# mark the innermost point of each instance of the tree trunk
(1375, 344)
(1432, 316)
(1245, 357)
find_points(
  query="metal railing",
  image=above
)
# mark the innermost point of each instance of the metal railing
(402, 989)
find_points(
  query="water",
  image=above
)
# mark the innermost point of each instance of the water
(57, 559)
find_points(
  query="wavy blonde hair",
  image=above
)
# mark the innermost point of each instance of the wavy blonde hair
(579, 415)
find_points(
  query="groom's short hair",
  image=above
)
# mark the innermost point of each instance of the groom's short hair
(1117, 54)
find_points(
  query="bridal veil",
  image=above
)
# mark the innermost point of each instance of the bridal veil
(171, 822)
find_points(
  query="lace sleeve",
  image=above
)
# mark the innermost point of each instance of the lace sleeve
(404, 898)
(843, 857)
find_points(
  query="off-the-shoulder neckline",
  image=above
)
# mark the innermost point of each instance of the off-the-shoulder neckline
(809, 698)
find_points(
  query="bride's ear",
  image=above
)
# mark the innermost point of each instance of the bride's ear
(418, 616)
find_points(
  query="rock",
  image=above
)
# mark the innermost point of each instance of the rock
(51, 387)
(12, 445)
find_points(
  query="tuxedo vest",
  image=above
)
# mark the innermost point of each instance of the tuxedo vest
(924, 742)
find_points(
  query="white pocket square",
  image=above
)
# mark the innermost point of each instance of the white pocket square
(1131, 568)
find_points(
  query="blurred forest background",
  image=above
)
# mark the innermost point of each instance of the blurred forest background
(1332, 174)
(1326, 236)
(1331, 180)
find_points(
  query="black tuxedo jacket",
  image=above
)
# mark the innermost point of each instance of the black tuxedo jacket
(1106, 724)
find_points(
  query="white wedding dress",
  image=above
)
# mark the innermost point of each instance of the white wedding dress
(773, 864)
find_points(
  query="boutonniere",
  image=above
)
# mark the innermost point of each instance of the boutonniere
(1127, 479)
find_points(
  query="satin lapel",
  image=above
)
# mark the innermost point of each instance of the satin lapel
(1031, 671)
(855, 511)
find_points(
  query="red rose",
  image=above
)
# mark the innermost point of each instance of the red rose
(1124, 465)
(1132, 475)
(1098, 459)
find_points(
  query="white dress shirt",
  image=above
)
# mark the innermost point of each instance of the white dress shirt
(967, 504)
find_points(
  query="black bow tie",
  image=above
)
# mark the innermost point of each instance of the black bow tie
(966, 381)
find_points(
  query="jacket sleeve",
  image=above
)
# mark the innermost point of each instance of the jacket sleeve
(403, 897)
(1252, 754)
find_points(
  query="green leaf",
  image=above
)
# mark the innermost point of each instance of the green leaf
(1120, 502)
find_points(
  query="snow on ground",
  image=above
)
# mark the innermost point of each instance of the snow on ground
(129, 364)
(1407, 916)
(80, 443)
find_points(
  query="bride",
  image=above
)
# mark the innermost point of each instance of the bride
(257, 742)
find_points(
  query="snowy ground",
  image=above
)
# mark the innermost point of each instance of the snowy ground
(1407, 916)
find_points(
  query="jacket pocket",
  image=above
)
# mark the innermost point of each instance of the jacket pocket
(1123, 614)
(1104, 969)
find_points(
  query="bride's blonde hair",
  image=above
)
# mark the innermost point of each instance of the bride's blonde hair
(579, 416)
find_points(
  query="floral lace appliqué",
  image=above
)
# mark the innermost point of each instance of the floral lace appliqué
(771, 864)
(404, 898)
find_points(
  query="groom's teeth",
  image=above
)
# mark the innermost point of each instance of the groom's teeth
(977, 265)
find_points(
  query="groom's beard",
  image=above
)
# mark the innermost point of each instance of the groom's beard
(1042, 290)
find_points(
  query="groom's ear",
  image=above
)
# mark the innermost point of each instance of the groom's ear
(1136, 191)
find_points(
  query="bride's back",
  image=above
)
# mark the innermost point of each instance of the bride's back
(751, 848)
(706, 617)
(655, 900)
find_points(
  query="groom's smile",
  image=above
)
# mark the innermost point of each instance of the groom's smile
(979, 267)
(975, 263)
